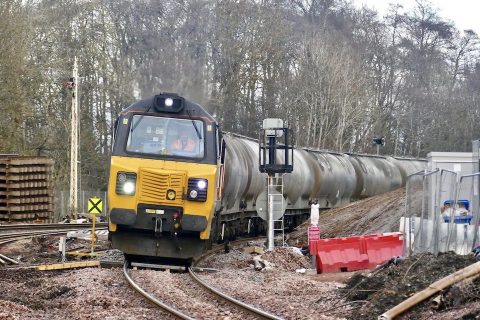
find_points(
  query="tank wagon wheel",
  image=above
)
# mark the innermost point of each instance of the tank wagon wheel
(255, 228)
(226, 245)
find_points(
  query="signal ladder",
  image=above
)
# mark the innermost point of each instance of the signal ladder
(276, 205)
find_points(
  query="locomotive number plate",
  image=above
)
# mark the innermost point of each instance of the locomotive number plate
(154, 211)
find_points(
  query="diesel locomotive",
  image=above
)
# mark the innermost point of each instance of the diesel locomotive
(177, 183)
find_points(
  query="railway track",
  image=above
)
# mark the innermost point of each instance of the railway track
(240, 308)
(49, 226)
(9, 233)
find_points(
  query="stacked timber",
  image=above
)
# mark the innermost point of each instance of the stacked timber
(26, 189)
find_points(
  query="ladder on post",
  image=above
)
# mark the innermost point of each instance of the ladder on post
(275, 195)
(279, 228)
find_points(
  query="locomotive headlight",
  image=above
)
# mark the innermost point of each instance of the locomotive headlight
(126, 182)
(197, 189)
(193, 194)
(168, 102)
(201, 184)
(122, 177)
(129, 187)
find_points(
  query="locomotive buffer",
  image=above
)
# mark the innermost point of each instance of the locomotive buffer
(275, 159)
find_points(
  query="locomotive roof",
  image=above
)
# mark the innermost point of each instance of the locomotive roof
(147, 105)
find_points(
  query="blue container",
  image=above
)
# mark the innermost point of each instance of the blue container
(459, 219)
(466, 203)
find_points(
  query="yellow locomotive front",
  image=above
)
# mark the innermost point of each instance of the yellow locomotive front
(162, 186)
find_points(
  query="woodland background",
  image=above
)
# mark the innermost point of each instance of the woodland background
(339, 75)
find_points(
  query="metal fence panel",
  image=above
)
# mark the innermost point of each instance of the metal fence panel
(61, 200)
(432, 226)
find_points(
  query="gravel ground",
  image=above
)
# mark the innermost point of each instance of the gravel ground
(95, 293)
(184, 294)
(104, 294)
(79, 294)
(278, 290)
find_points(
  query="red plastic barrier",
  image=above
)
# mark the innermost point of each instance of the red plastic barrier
(381, 248)
(340, 254)
(313, 234)
(355, 253)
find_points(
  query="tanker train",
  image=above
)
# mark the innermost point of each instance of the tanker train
(177, 183)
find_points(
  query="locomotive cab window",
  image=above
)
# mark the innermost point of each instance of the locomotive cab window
(166, 136)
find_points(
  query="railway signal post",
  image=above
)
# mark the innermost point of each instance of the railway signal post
(379, 142)
(275, 159)
(72, 86)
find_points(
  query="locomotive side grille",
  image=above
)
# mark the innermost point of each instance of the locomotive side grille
(155, 184)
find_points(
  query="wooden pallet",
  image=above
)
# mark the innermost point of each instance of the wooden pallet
(26, 193)
(28, 207)
(22, 177)
(26, 185)
(25, 216)
(25, 161)
(22, 169)
(26, 200)
(26, 188)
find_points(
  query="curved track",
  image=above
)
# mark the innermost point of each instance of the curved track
(150, 297)
(251, 309)
(239, 306)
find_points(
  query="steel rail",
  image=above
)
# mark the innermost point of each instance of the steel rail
(6, 238)
(11, 237)
(40, 232)
(18, 236)
(49, 226)
(151, 298)
(237, 303)
(223, 297)
(240, 304)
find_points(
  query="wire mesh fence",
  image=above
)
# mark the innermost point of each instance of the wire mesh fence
(439, 216)
(62, 207)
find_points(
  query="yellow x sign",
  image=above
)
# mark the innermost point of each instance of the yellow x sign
(95, 205)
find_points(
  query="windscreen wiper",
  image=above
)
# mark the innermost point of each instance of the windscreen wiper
(194, 124)
(141, 117)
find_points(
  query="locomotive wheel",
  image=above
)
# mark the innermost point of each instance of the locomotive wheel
(226, 246)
